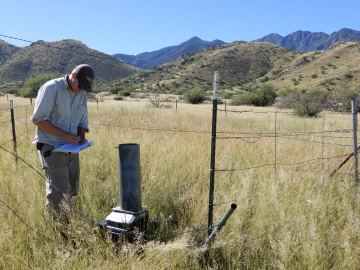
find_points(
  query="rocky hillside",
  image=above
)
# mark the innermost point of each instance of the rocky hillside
(20, 63)
(6, 51)
(238, 63)
(242, 64)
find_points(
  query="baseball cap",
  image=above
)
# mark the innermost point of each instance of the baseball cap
(85, 75)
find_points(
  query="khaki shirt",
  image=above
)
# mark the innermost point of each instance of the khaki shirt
(62, 107)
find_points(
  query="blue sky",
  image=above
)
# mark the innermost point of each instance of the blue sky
(136, 26)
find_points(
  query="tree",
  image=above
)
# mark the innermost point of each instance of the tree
(32, 85)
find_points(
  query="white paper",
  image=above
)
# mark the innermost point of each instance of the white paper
(73, 148)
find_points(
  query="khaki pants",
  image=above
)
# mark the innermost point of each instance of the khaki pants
(62, 172)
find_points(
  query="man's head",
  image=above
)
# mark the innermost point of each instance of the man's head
(85, 76)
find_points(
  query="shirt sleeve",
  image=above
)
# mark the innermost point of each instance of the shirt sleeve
(44, 104)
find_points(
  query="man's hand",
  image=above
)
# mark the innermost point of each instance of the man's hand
(83, 141)
(72, 138)
(54, 130)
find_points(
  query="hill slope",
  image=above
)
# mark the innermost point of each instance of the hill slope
(237, 63)
(6, 51)
(243, 63)
(19, 64)
(336, 68)
(240, 65)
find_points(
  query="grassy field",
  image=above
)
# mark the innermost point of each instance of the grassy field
(290, 213)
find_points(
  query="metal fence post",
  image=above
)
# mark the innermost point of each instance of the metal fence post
(13, 129)
(213, 147)
(354, 114)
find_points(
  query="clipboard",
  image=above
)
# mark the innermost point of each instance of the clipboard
(73, 148)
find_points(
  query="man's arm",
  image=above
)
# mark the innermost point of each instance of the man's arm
(47, 126)
(81, 134)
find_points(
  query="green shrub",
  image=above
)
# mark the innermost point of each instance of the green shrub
(305, 103)
(295, 81)
(265, 95)
(286, 92)
(348, 75)
(344, 97)
(243, 99)
(10, 89)
(195, 96)
(116, 89)
(309, 109)
(125, 93)
(227, 95)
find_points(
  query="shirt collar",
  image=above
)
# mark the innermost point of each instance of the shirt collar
(66, 81)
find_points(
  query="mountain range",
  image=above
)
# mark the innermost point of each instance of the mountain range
(301, 41)
(243, 66)
(281, 60)
(167, 54)
(305, 41)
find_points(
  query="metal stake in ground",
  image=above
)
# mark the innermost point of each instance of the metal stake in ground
(213, 147)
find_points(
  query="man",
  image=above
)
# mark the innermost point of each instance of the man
(61, 116)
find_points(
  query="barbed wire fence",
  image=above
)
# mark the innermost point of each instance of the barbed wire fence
(18, 115)
(9, 121)
(13, 118)
(275, 136)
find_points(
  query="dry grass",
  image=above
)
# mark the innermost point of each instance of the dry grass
(288, 216)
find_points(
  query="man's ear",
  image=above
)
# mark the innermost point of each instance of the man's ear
(73, 75)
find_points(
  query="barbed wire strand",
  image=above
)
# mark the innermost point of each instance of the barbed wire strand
(257, 138)
(127, 232)
(15, 107)
(279, 164)
(6, 142)
(284, 137)
(151, 129)
(133, 233)
(63, 197)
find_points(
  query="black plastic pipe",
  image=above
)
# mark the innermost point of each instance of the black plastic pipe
(130, 177)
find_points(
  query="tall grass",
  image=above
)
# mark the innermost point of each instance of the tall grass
(290, 214)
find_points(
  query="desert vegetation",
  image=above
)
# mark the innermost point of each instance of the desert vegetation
(274, 165)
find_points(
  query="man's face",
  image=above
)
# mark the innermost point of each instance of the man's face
(75, 85)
